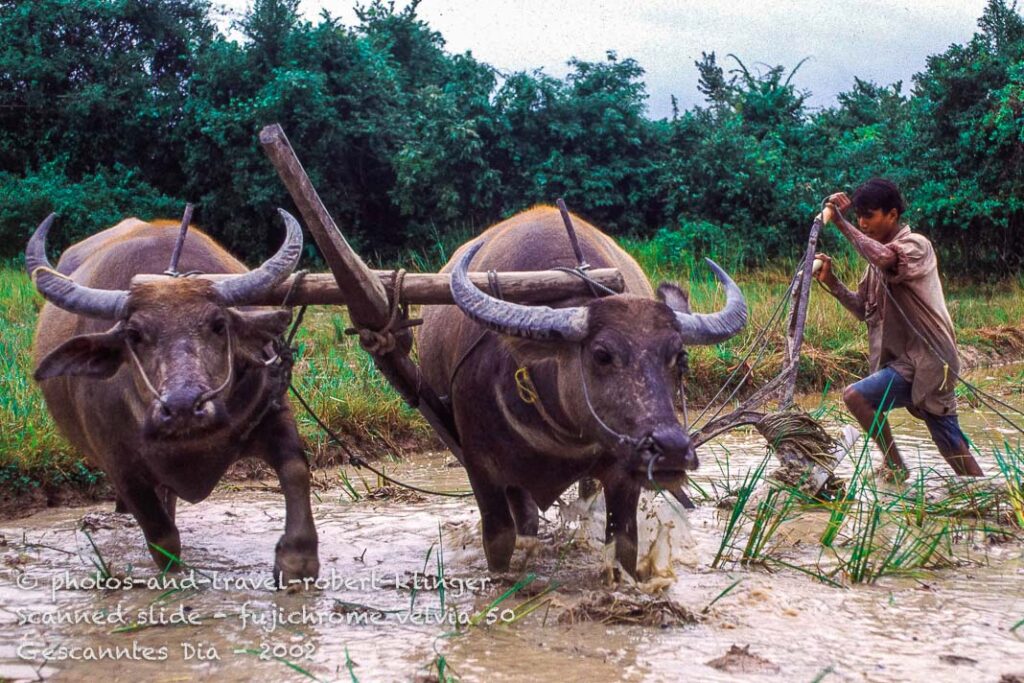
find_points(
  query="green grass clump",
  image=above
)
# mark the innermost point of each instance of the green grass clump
(31, 450)
(1010, 461)
(875, 530)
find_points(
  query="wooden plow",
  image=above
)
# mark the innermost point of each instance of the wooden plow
(376, 300)
(807, 454)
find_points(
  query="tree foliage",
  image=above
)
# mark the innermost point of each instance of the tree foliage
(113, 107)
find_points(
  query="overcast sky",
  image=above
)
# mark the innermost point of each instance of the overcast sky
(872, 39)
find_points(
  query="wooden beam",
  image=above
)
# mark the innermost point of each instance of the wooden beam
(798, 315)
(370, 306)
(431, 288)
(362, 290)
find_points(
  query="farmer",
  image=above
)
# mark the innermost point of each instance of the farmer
(911, 343)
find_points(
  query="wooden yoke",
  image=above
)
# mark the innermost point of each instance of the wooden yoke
(429, 289)
(362, 290)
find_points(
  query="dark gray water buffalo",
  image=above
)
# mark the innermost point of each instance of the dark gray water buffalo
(164, 385)
(543, 396)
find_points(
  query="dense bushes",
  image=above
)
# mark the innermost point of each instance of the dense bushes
(96, 201)
(117, 107)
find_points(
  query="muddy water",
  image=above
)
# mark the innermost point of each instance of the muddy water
(378, 616)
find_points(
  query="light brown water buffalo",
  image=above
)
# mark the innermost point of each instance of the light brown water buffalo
(164, 385)
(543, 396)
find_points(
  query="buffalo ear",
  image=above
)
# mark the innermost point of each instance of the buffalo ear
(254, 329)
(674, 297)
(97, 355)
(261, 325)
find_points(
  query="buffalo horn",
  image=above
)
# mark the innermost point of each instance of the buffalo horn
(64, 292)
(713, 328)
(532, 322)
(239, 290)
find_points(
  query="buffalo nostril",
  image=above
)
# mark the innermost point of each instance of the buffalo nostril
(164, 412)
(674, 443)
(690, 460)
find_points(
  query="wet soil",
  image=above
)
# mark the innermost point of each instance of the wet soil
(379, 613)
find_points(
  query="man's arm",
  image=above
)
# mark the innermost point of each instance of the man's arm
(881, 256)
(851, 301)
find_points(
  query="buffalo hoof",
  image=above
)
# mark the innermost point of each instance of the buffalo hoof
(498, 549)
(625, 553)
(295, 564)
(166, 553)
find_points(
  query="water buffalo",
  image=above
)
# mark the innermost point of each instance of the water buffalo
(179, 387)
(543, 396)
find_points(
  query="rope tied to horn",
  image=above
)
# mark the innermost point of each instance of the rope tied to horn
(385, 340)
(46, 269)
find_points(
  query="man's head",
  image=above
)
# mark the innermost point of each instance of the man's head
(879, 205)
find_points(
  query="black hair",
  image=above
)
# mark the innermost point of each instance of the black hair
(878, 193)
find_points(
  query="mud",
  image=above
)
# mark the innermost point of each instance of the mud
(381, 614)
(740, 660)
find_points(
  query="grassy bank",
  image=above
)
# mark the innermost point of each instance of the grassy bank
(339, 380)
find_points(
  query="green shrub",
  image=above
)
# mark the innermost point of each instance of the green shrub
(83, 206)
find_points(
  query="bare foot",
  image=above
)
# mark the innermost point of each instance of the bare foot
(890, 475)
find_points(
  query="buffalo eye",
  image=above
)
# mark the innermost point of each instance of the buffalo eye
(603, 356)
(219, 326)
(133, 336)
(680, 361)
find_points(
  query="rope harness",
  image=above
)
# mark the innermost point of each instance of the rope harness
(383, 341)
(203, 397)
(378, 343)
(760, 343)
(46, 269)
(172, 271)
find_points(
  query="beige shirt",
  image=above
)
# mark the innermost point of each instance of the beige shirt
(915, 286)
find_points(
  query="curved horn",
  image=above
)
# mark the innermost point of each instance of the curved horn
(64, 292)
(237, 291)
(713, 328)
(532, 322)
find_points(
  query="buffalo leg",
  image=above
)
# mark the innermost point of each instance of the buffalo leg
(169, 499)
(498, 526)
(588, 487)
(295, 557)
(157, 525)
(621, 501)
(524, 511)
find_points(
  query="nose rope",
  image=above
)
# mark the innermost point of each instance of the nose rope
(205, 396)
(650, 467)
(637, 444)
(142, 373)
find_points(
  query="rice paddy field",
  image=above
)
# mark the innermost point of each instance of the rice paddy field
(922, 581)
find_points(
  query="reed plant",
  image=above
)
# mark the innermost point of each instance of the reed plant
(874, 529)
